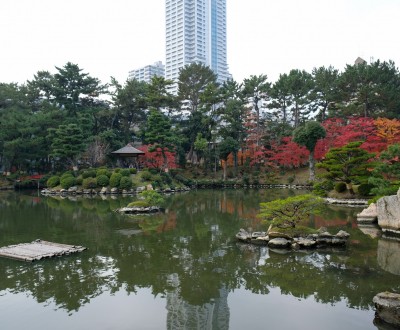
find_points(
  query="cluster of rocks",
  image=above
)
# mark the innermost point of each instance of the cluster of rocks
(282, 241)
(347, 202)
(109, 191)
(386, 212)
(140, 210)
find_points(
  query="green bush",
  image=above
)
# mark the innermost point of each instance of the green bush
(68, 173)
(166, 178)
(103, 171)
(322, 188)
(146, 176)
(246, 180)
(291, 179)
(102, 180)
(53, 181)
(79, 180)
(133, 170)
(115, 180)
(89, 183)
(153, 170)
(340, 187)
(152, 197)
(90, 173)
(364, 189)
(125, 183)
(117, 170)
(67, 181)
(141, 203)
(125, 172)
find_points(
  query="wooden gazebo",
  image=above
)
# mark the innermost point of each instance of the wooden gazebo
(128, 156)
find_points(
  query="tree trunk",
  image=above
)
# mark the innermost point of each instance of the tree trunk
(311, 162)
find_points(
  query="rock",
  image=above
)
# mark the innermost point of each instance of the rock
(342, 234)
(257, 234)
(104, 191)
(114, 190)
(243, 236)
(372, 230)
(388, 210)
(72, 190)
(279, 242)
(306, 243)
(368, 215)
(140, 189)
(276, 234)
(387, 306)
(149, 187)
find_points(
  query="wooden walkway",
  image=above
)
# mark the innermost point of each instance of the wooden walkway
(37, 250)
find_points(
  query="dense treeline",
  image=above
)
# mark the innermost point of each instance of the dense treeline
(70, 118)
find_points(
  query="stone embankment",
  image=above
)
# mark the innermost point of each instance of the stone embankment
(108, 191)
(387, 305)
(282, 241)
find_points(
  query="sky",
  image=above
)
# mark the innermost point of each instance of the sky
(108, 38)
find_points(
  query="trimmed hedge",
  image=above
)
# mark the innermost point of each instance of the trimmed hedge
(67, 181)
(89, 183)
(125, 172)
(115, 180)
(53, 181)
(102, 180)
(125, 183)
(340, 187)
(103, 171)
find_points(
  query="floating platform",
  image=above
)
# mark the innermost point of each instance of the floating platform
(38, 250)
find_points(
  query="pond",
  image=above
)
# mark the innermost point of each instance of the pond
(183, 269)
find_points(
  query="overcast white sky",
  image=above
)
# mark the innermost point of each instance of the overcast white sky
(109, 38)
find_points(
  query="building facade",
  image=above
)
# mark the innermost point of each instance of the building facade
(147, 72)
(195, 32)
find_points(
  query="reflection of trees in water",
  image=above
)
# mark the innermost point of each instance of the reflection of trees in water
(187, 255)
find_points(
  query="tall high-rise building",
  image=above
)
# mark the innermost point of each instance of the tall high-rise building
(196, 32)
(147, 72)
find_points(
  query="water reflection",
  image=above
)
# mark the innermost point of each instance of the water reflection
(186, 256)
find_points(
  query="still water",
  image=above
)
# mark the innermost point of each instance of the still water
(183, 269)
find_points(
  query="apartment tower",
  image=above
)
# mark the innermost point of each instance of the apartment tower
(195, 32)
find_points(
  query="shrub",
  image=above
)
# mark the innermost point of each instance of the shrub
(67, 181)
(340, 187)
(79, 180)
(91, 173)
(117, 170)
(246, 180)
(291, 179)
(140, 203)
(153, 170)
(68, 173)
(102, 180)
(166, 178)
(322, 188)
(125, 172)
(364, 189)
(103, 171)
(115, 180)
(152, 197)
(146, 176)
(125, 183)
(89, 183)
(53, 181)
(133, 170)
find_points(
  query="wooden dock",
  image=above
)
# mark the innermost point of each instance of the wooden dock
(38, 250)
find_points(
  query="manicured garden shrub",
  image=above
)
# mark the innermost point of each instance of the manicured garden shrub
(340, 187)
(90, 173)
(102, 180)
(166, 178)
(79, 180)
(53, 181)
(67, 181)
(146, 176)
(103, 171)
(364, 189)
(322, 188)
(153, 170)
(125, 183)
(133, 170)
(115, 180)
(125, 172)
(89, 183)
(152, 197)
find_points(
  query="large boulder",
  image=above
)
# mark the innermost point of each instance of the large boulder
(387, 305)
(279, 243)
(388, 211)
(368, 215)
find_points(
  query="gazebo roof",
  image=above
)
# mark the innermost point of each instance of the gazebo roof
(128, 150)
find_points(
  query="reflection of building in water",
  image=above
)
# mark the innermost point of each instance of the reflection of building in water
(182, 315)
